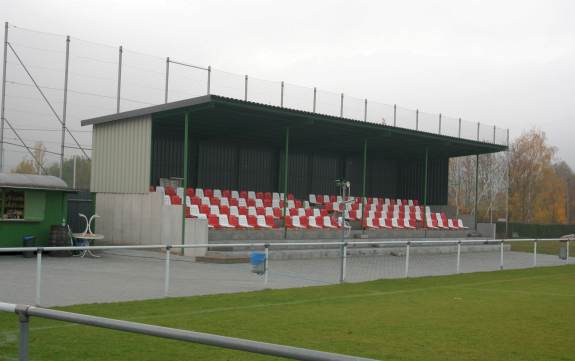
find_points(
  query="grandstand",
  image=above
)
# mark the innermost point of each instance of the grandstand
(232, 161)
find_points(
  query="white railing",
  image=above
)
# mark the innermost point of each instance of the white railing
(341, 248)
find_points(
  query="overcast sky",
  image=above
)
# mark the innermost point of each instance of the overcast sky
(508, 63)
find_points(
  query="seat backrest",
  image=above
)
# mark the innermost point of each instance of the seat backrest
(312, 198)
(217, 193)
(252, 220)
(234, 211)
(226, 193)
(260, 211)
(205, 209)
(259, 195)
(259, 202)
(270, 221)
(252, 211)
(224, 209)
(167, 200)
(235, 194)
(214, 210)
(243, 221)
(213, 220)
(251, 195)
(224, 202)
(208, 192)
(223, 219)
(194, 210)
(261, 221)
(242, 202)
(233, 221)
(243, 210)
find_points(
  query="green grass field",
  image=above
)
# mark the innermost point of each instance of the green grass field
(507, 315)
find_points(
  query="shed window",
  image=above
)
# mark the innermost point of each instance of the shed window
(12, 203)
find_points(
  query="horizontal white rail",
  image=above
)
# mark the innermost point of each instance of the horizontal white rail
(25, 312)
(284, 244)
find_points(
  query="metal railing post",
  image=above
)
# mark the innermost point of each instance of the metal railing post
(567, 249)
(3, 101)
(209, 79)
(120, 52)
(314, 98)
(501, 255)
(458, 256)
(266, 263)
(282, 95)
(65, 103)
(406, 274)
(535, 253)
(341, 106)
(167, 272)
(24, 335)
(167, 79)
(394, 115)
(343, 264)
(246, 88)
(416, 119)
(459, 129)
(38, 276)
(365, 110)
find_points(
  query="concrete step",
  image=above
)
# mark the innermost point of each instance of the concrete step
(223, 258)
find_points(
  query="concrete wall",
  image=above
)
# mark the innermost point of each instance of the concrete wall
(141, 219)
(121, 156)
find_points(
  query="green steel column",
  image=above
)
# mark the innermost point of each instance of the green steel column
(286, 151)
(425, 177)
(476, 189)
(363, 184)
(185, 185)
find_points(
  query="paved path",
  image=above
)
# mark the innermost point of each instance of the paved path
(136, 275)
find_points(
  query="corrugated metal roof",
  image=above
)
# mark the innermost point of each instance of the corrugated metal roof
(32, 181)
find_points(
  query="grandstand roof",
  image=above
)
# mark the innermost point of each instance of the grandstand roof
(213, 116)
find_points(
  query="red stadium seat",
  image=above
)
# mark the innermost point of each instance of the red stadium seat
(243, 194)
(253, 221)
(243, 211)
(175, 200)
(260, 211)
(226, 193)
(277, 212)
(208, 192)
(268, 195)
(259, 195)
(224, 209)
(233, 202)
(213, 221)
(233, 220)
(270, 221)
(190, 192)
(251, 202)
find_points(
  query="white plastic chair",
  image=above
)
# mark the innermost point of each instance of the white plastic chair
(235, 194)
(167, 201)
(223, 221)
(199, 192)
(251, 195)
(252, 211)
(160, 189)
(312, 223)
(243, 222)
(460, 224)
(261, 222)
(215, 210)
(217, 193)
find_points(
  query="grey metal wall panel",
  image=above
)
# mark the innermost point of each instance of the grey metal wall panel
(324, 170)
(121, 156)
(217, 165)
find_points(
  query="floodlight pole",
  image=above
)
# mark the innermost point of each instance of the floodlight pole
(185, 185)
(286, 168)
(507, 188)
(476, 188)
(2, 106)
(363, 186)
(64, 107)
(120, 52)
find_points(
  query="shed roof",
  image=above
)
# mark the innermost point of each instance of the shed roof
(32, 181)
(215, 115)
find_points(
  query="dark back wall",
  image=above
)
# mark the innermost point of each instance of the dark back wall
(219, 163)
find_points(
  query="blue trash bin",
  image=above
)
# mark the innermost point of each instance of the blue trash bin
(258, 262)
(28, 241)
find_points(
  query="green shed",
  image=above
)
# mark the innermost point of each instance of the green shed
(30, 205)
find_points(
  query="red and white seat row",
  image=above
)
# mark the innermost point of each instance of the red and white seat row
(324, 199)
(435, 220)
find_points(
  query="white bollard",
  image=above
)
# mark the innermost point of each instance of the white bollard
(38, 276)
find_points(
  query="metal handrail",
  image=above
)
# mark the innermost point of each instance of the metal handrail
(281, 244)
(296, 353)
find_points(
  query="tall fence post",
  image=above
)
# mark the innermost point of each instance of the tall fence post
(535, 253)
(314, 98)
(478, 126)
(246, 87)
(343, 265)
(167, 271)
(458, 257)
(65, 103)
(209, 79)
(266, 263)
(282, 95)
(365, 110)
(501, 246)
(459, 129)
(394, 115)
(406, 273)
(24, 335)
(167, 79)
(3, 104)
(38, 276)
(120, 56)
(416, 119)
(439, 131)
(341, 106)
(494, 130)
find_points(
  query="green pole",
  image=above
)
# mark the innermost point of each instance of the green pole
(363, 185)
(286, 151)
(476, 189)
(425, 178)
(185, 185)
